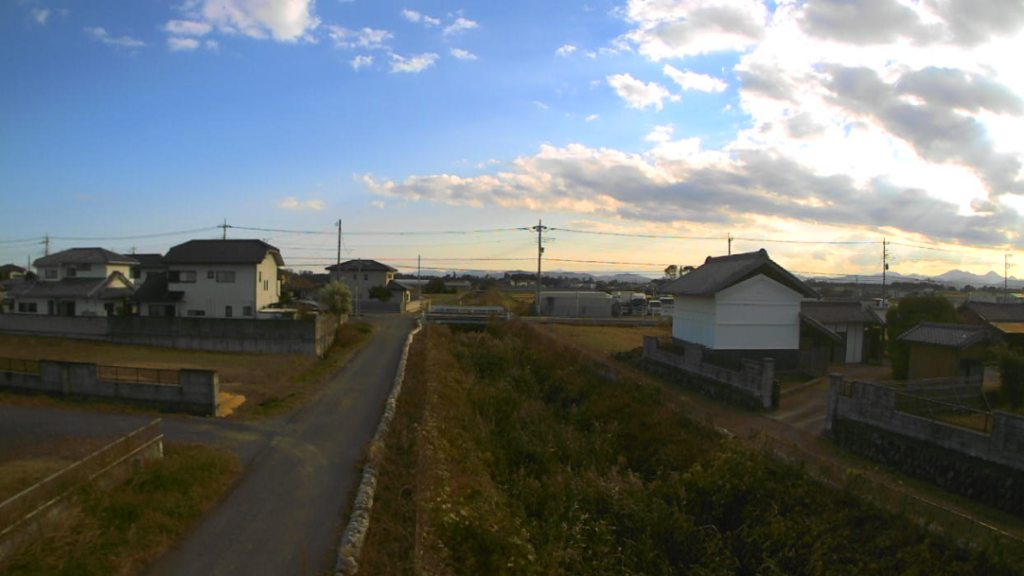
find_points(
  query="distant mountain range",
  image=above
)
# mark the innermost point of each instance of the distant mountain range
(958, 278)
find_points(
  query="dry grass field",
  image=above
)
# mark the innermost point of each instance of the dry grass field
(23, 461)
(607, 340)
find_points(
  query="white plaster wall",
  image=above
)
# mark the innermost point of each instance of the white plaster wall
(268, 289)
(757, 314)
(213, 297)
(693, 320)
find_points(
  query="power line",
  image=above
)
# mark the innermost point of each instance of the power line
(416, 233)
(136, 237)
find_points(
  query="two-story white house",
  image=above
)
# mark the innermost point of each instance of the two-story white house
(361, 276)
(743, 305)
(75, 282)
(214, 279)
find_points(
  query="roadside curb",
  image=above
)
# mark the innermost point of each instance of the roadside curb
(351, 545)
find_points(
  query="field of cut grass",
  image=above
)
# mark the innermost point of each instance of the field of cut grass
(607, 340)
(121, 529)
(528, 460)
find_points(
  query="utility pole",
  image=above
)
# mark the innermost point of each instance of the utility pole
(1006, 276)
(224, 230)
(729, 238)
(359, 286)
(46, 244)
(885, 266)
(339, 247)
(540, 228)
(419, 279)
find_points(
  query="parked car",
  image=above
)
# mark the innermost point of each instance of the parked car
(668, 305)
(654, 307)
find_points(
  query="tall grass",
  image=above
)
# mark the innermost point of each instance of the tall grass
(121, 529)
(530, 462)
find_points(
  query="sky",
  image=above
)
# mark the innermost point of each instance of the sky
(642, 132)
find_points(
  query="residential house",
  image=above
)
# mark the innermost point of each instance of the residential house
(361, 276)
(858, 330)
(148, 265)
(940, 350)
(1005, 319)
(214, 279)
(12, 272)
(76, 282)
(742, 306)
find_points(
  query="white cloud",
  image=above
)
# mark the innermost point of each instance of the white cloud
(378, 204)
(637, 93)
(360, 62)
(463, 54)
(688, 80)
(211, 45)
(187, 27)
(565, 50)
(591, 118)
(661, 133)
(282, 20)
(293, 203)
(460, 24)
(41, 15)
(102, 35)
(176, 44)
(680, 29)
(414, 16)
(541, 105)
(416, 63)
(368, 38)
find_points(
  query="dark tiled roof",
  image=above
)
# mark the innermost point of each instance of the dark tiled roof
(363, 265)
(84, 256)
(154, 289)
(717, 274)
(11, 268)
(819, 327)
(398, 286)
(150, 260)
(942, 334)
(839, 312)
(222, 252)
(69, 288)
(996, 312)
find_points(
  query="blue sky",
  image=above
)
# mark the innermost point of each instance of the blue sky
(647, 116)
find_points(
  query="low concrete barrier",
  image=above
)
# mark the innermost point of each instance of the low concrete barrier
(195, 391)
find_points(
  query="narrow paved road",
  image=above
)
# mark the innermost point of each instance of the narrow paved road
(282, 517)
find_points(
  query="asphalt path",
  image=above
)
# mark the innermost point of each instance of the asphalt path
(283, 515)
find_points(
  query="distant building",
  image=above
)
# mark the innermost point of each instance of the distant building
(577, 304)
(1004, 319)
(743, 305)
(362, 275)
(11, 272)
(75, 282)
(214, 279)
(940, 350)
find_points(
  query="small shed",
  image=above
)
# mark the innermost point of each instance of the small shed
(940, 350)
(859, 330)
(576, 304)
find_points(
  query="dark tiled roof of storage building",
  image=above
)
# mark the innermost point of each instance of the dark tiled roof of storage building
(361, 265)
(839, 312)
(222, 252)
(718, 273)
(943, 334)
(996, 312)
(84, 256)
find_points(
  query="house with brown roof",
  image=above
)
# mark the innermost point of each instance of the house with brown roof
(858, 330)
(743, 305)
(75, 282)
(1005, 319)
(941, 350)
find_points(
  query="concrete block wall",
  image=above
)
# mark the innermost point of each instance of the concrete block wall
(755, 379)
(196, 391)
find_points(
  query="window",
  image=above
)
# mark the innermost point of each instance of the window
(266, 284)
(225, 276)
(209, 275)
(136, 272)
(246, 310)
(27, 307)
(260, 279)
(70, 272)
(197, 312)
(85, 267)
(366, 276)
(227, 312)
(184, 276)
(51, 273)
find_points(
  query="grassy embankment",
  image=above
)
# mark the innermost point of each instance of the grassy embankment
(511, 454)
(121, 529)
(270, 383)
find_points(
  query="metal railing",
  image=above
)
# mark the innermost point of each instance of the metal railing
(137, 375)
(19, 365)
(956, 414)
(26, 503)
